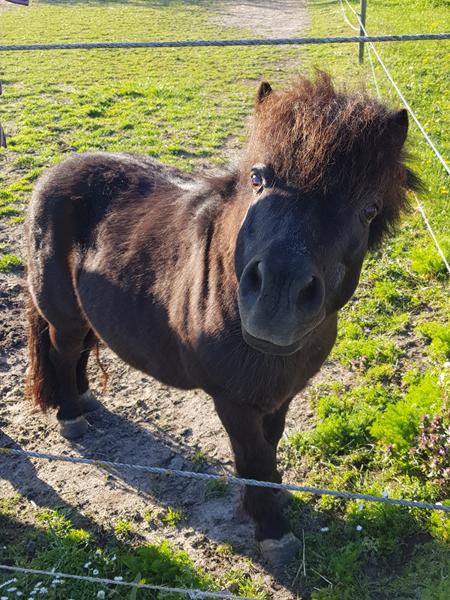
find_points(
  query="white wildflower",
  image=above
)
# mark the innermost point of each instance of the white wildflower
(118, 578)
(324, 529)
(359, 528)
(13, 589)
(95, 572)
(87, 565)
(100, 594)
(385, 494)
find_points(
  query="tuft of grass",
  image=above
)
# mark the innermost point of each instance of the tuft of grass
(216, 488)
(9, 262)
(240, 582)
(123, 528)
(199, 460)
(438, 334)
(172, 517)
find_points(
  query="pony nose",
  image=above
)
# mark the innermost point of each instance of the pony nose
(308, 294)
(304, 289)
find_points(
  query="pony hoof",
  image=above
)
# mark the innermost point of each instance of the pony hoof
(88, 402)
(279, 553)
(73, 428)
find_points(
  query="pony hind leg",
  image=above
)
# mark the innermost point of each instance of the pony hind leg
(66, 348)
(86, 398)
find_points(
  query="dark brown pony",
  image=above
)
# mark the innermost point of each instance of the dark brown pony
(229, 283)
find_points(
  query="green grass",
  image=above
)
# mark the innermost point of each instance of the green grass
(183, 107)
(48, 539)
(8, 262)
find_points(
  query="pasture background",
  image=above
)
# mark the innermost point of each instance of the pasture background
(357, 427)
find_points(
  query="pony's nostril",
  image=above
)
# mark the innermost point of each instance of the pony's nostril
(252, 280)
(310, 295)
(256, 277)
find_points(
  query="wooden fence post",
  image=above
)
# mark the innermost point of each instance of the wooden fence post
(362, 17)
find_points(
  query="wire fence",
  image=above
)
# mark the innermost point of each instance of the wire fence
(225, 478)
(413, 37)
(118, 581)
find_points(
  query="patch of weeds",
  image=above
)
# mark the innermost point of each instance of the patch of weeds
(172, 517)
(362, 353)
(199, 460)
(216, 488)
(55, 521)
(242, 583)
(9, 262)
(8, 506)
(383, 373)
(224, 549)
(16, 220)
(398, 425)
(345, 420)
(163, 565)
(426, 261)
(438, 334)
(430, 453)
(150, 517)
(123, 528)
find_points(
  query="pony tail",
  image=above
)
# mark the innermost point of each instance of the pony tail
(40, 377)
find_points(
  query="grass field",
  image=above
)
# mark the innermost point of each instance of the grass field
(391, 362)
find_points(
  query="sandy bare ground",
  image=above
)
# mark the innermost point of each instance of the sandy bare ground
(142, 421)
(265, 17)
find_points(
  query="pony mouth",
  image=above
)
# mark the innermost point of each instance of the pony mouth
(273, 349)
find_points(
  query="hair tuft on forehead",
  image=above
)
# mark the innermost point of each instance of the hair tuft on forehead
(323, 140)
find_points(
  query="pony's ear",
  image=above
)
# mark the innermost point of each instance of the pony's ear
(263, 91)
(398, 127)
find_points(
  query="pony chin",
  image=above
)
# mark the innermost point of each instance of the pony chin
(271, 349)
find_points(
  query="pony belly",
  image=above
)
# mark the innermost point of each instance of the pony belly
(140, 337)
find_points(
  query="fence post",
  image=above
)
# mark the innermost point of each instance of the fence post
(362, 16)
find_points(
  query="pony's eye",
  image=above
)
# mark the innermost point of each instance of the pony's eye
(369, 213)
(257, 181)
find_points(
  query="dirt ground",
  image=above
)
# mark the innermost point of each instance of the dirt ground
(266, 18)
(142, 421)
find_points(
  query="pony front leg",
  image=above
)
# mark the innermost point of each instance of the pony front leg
(255, 458)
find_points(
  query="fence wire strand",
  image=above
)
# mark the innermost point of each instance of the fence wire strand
(227, 479)
(190, 593)
(346, 19)
(407, 37)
